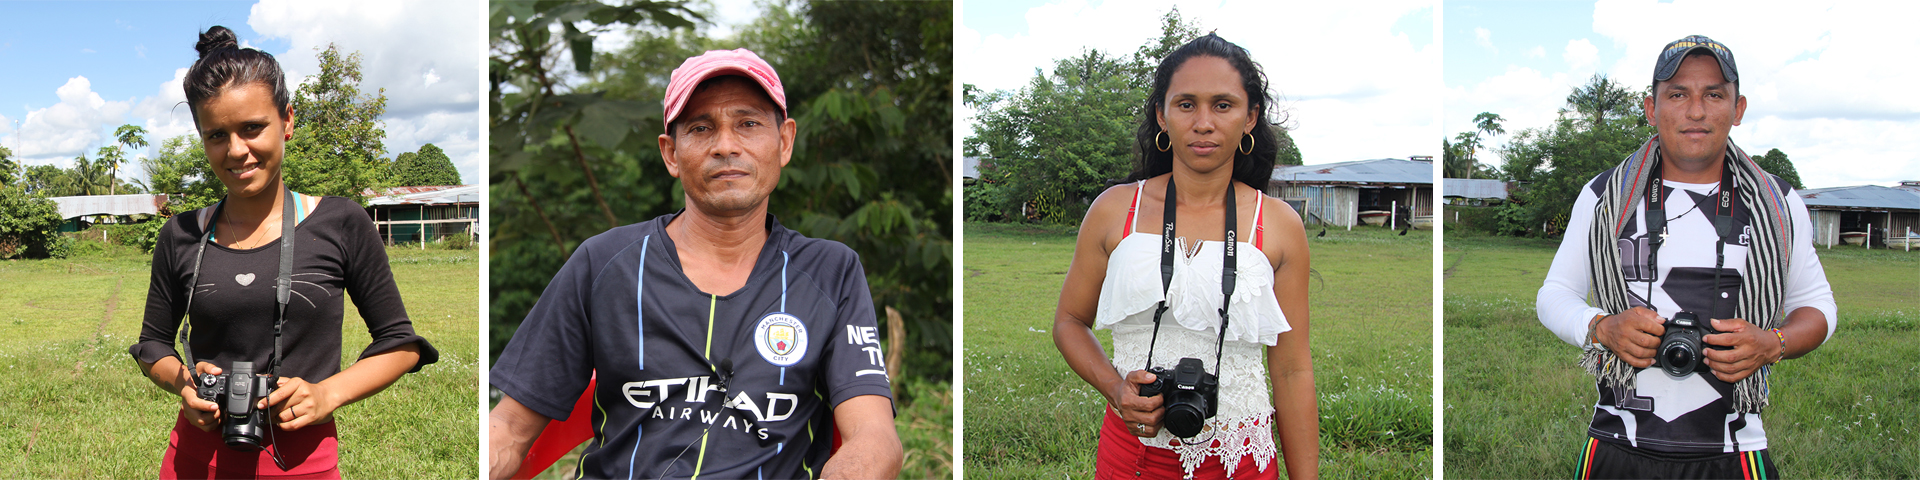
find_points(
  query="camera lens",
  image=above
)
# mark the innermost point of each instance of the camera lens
(1183, 420)
(1678, 359)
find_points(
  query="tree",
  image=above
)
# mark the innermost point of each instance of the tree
(429, 166)
(91, 177)
(48, 181)
(10, 173)
(1053, 145)
(1289, 151)
(1594, 132)
(181, 171)
(29, 223)
(337, 138)
(1776, 162)
(133, 138)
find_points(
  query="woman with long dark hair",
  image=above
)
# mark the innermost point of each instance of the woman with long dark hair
(1158, 258)
(260, 277)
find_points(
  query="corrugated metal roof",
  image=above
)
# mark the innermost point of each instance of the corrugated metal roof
(430, 195)
(970, 167)
(1473, 188)
(1862, 196)
(110, 205)
(1383, 171)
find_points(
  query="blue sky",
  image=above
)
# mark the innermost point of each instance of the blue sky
(75, 71)
(1374, 95)
(1821, 79)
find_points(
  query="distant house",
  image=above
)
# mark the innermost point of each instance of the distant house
(414, 214)
(1877, 211)
(1464, 191)
(72, 208)
(969, 170)
(1341, 194)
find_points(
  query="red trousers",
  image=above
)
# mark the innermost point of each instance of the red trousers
(1123, 457)
(310, 453)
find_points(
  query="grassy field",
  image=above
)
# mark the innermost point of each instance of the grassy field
(1517, 405)
(76, 405)
(1029, 416)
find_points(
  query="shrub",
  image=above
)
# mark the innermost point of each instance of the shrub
(28, 223)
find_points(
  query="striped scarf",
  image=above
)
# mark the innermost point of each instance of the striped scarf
(1762, 292)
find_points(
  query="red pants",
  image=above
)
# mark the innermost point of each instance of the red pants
(1122, 456)
(310, 453)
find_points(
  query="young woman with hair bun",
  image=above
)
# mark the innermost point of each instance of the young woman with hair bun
(221, 268)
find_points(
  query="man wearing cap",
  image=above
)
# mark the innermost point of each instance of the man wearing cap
(1687, 225)
(721, 344)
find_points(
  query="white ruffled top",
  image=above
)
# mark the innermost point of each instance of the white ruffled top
(1242, 425)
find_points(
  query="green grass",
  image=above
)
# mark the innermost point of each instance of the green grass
(76, 405)
(1517, 405)
(1029, 416)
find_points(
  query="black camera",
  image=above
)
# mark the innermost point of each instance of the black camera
(1191, 395)
(241, 424)
(1682, 347)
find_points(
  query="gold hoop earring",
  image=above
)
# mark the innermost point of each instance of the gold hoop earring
(1156, 141)
(1249, 149)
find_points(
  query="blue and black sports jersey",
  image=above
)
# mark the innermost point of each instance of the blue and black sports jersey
(800, 337)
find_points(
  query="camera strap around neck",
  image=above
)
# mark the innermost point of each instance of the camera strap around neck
(1227, 271)
(283, 284)
(1725, 203)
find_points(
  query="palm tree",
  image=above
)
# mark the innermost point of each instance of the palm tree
(1600, 98)
(90, 177)
(133, 138)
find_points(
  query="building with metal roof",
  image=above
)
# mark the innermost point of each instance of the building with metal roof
(416, 214)
(72, 208)
(1873, 210)
(1344, 193)
(1470, 189)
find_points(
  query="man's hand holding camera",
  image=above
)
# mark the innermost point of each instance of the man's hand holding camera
(1632, 335)
(1142, 414)
(1753, 347)
(1738, 348)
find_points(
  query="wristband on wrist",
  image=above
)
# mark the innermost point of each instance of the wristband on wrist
(1593, 329)
(1783, 345)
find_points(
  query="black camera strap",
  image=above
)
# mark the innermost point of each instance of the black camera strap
(283, 284)
(1725, 203)
(1227, 271)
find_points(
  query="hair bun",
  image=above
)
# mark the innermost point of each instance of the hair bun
(216, 39)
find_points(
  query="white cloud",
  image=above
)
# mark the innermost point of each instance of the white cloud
(165, 114)
(1537, 52)
(1375, 96)
(56, 134)
(1580, 55)
(426, 54)
(1484, 38)
(453, 132)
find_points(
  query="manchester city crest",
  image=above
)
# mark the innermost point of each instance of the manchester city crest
(781, 339)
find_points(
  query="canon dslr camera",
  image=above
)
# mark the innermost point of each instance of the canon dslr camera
(1191, 395)
(1682, 348)
(236, 392)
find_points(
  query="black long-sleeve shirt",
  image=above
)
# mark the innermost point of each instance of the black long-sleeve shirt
(337, 252)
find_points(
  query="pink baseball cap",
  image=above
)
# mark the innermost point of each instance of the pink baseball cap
(716, 63)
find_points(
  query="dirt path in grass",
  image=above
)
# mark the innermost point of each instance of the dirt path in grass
(113, 303)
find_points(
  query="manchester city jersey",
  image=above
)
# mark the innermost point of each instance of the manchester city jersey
(716, 385)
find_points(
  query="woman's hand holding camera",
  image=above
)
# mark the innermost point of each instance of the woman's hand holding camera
(301, 403)
(201, 414)
(1753, 347)
(1142, 414)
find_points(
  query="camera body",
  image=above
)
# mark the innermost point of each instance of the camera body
(242, 425)
(1683, 348)
(1192, 395)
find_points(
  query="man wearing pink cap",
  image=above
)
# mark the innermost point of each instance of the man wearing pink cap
(719, 343)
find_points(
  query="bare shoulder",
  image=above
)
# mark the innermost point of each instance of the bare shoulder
(1106, 218)
(1286, 235)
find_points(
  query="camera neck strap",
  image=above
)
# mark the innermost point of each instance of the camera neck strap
(1724, 205)
(283, 284)
(1227, 270)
